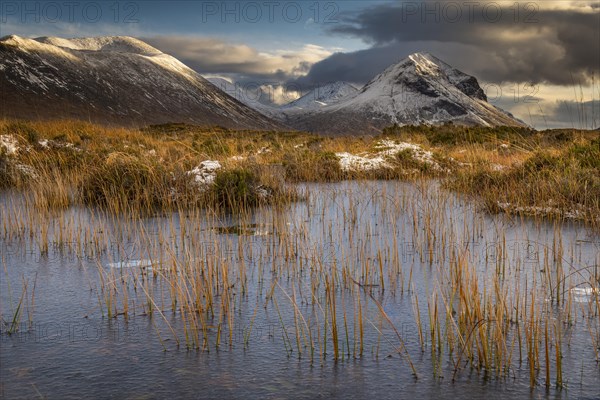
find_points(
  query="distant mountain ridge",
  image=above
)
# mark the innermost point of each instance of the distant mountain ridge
(124, 81)
(252, 95)
(420, 89)
(111, 80)
(321, 96)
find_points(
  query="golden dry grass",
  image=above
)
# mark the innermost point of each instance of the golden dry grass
(514, 170)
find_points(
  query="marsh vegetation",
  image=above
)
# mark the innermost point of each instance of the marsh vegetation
(379, 256)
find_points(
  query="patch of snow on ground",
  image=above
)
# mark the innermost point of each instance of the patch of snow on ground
(47, 144)
(263, 150)
(351, 162)
(392, 149)
(386, 149)
(10, 144)
(538, 210)
(205, 173)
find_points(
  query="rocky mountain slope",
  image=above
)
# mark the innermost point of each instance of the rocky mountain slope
(111, 80)
(124, 81)
(421, 89)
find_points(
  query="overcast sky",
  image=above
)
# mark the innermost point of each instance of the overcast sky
(538, 59)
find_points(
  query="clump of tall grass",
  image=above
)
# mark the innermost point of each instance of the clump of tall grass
(309, 165)
(241, 188)
(21, 129)
(122, 181)
(566, 182)
(405, 163)
(455, 135)
(8, 174)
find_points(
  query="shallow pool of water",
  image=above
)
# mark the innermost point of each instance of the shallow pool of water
(213, 306)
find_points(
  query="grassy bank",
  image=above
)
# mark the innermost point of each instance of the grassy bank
(161, 168)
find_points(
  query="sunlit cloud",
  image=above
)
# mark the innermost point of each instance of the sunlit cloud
(212, 55)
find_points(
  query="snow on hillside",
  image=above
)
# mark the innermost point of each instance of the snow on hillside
(251, 95)
(421, 89)
(116, 80)
(424, 90)
(123, 80)
(322, 96)
(115, 44)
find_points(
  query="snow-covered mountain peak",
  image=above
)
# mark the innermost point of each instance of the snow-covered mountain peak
(425, 63)
(322, 96)
(112, 44)
(119, 79)
(31, 46)
(423, 72)
(113, 80)
(420, 89)
(417, 64)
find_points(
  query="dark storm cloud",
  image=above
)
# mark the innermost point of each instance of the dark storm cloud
(572, 114)
(361, 66)
(358, 67)
(495, 44)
